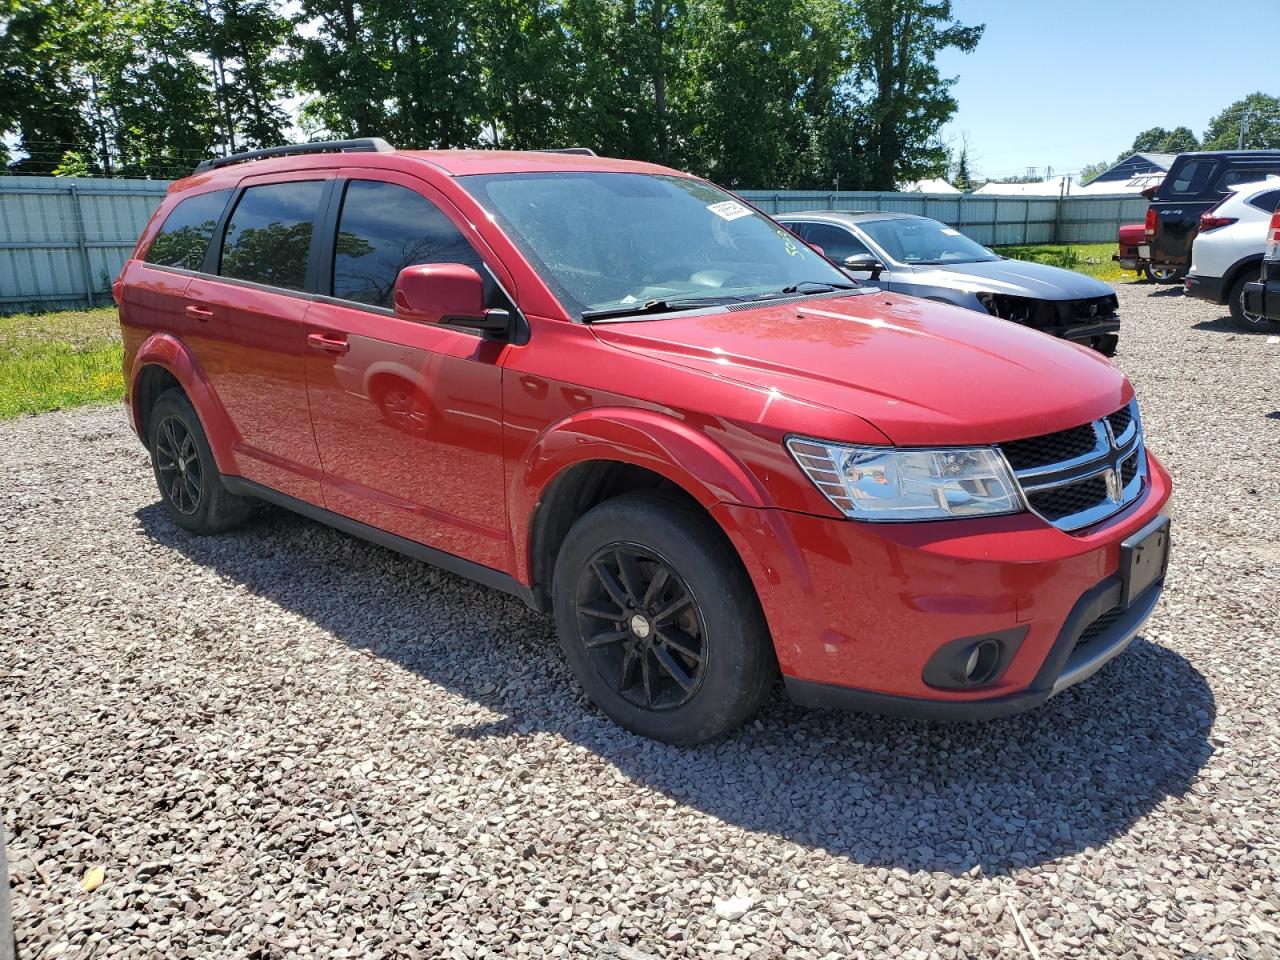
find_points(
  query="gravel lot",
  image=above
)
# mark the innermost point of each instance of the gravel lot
(286, 742)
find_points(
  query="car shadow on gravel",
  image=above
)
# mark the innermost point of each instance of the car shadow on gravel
(1224, 324)
(1001, 795)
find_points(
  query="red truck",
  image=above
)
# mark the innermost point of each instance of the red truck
(645, 408)
(1133, 239)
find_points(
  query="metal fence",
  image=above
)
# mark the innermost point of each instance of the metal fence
(988, 219)
(63, 239)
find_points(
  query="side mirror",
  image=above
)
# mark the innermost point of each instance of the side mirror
(864, 263)
(447, 293)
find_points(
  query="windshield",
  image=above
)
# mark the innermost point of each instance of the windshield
(609, 242)
(918, 240)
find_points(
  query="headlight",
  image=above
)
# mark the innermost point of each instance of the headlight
(901, 483)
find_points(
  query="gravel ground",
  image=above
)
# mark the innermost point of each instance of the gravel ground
(285, 742)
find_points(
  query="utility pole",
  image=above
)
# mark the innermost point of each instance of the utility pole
(1244, 128)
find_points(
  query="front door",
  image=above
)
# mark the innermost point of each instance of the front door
(247, 329)
(408, 416)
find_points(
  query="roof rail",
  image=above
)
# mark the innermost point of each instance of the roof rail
(363, 145)
(580, 151)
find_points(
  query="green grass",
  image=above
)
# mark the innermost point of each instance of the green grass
(49, 361)
(1093, 259)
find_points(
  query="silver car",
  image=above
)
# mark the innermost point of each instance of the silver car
(924, 258)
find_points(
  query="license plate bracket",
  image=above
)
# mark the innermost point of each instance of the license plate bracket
(1144, 557)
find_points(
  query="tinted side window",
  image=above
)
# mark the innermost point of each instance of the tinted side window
(269, 234)
(384, 228)
(184, 238)
(1247, 174)
(1192, 176)
(837, 243)
(1266, 202)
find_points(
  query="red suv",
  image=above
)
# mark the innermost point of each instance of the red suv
(625, 396)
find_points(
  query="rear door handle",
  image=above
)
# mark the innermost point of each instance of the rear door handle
(328, 342)
(203, 314)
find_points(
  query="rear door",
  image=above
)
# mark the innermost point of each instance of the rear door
(249, 328)
(408, 416)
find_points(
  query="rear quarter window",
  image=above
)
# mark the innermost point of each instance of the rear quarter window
(1267, 202)
(183, 239)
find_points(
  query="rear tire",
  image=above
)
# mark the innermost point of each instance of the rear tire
(1252, 322)
(1163, 274)
(659, 620)
(190, 485)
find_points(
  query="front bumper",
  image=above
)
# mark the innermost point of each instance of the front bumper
(858, 610)
(1204, 288)
(1085, 332)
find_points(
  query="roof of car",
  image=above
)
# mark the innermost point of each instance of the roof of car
(461, 163)
(847, 216)
(453, 163)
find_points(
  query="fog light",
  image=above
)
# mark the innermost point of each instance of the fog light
(982, 661)
(973, 661)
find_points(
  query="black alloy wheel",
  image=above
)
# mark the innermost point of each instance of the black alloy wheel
(178, 465)
(659, 619)
(194, 496)
(641, 627)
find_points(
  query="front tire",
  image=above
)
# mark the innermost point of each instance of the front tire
(190, 485)
(660, 622)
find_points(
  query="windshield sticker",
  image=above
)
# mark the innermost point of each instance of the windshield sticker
(950, 233)
(729, 210)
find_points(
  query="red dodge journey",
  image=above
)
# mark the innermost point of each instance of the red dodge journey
(623, 395)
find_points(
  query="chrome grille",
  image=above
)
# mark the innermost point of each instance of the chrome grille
(1076, 477)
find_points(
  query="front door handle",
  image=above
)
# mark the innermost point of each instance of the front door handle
(328, 342)
(203, 314)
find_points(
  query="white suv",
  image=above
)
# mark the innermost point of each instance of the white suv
(1227, 252)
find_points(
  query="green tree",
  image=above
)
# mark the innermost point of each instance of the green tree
(241, 38)
(760, 87)
(1091, 170)
(1160, 140)
(962, 177)
(42, 100)
(896, 86)
(399, 69)
(1263, 129)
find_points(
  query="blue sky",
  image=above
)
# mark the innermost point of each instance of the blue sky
(1065, 84)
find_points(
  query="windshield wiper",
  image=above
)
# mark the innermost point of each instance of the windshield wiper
(808, 286)
(664, 305)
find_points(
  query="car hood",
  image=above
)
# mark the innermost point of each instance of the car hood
(921, 372)
(1018, 278)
